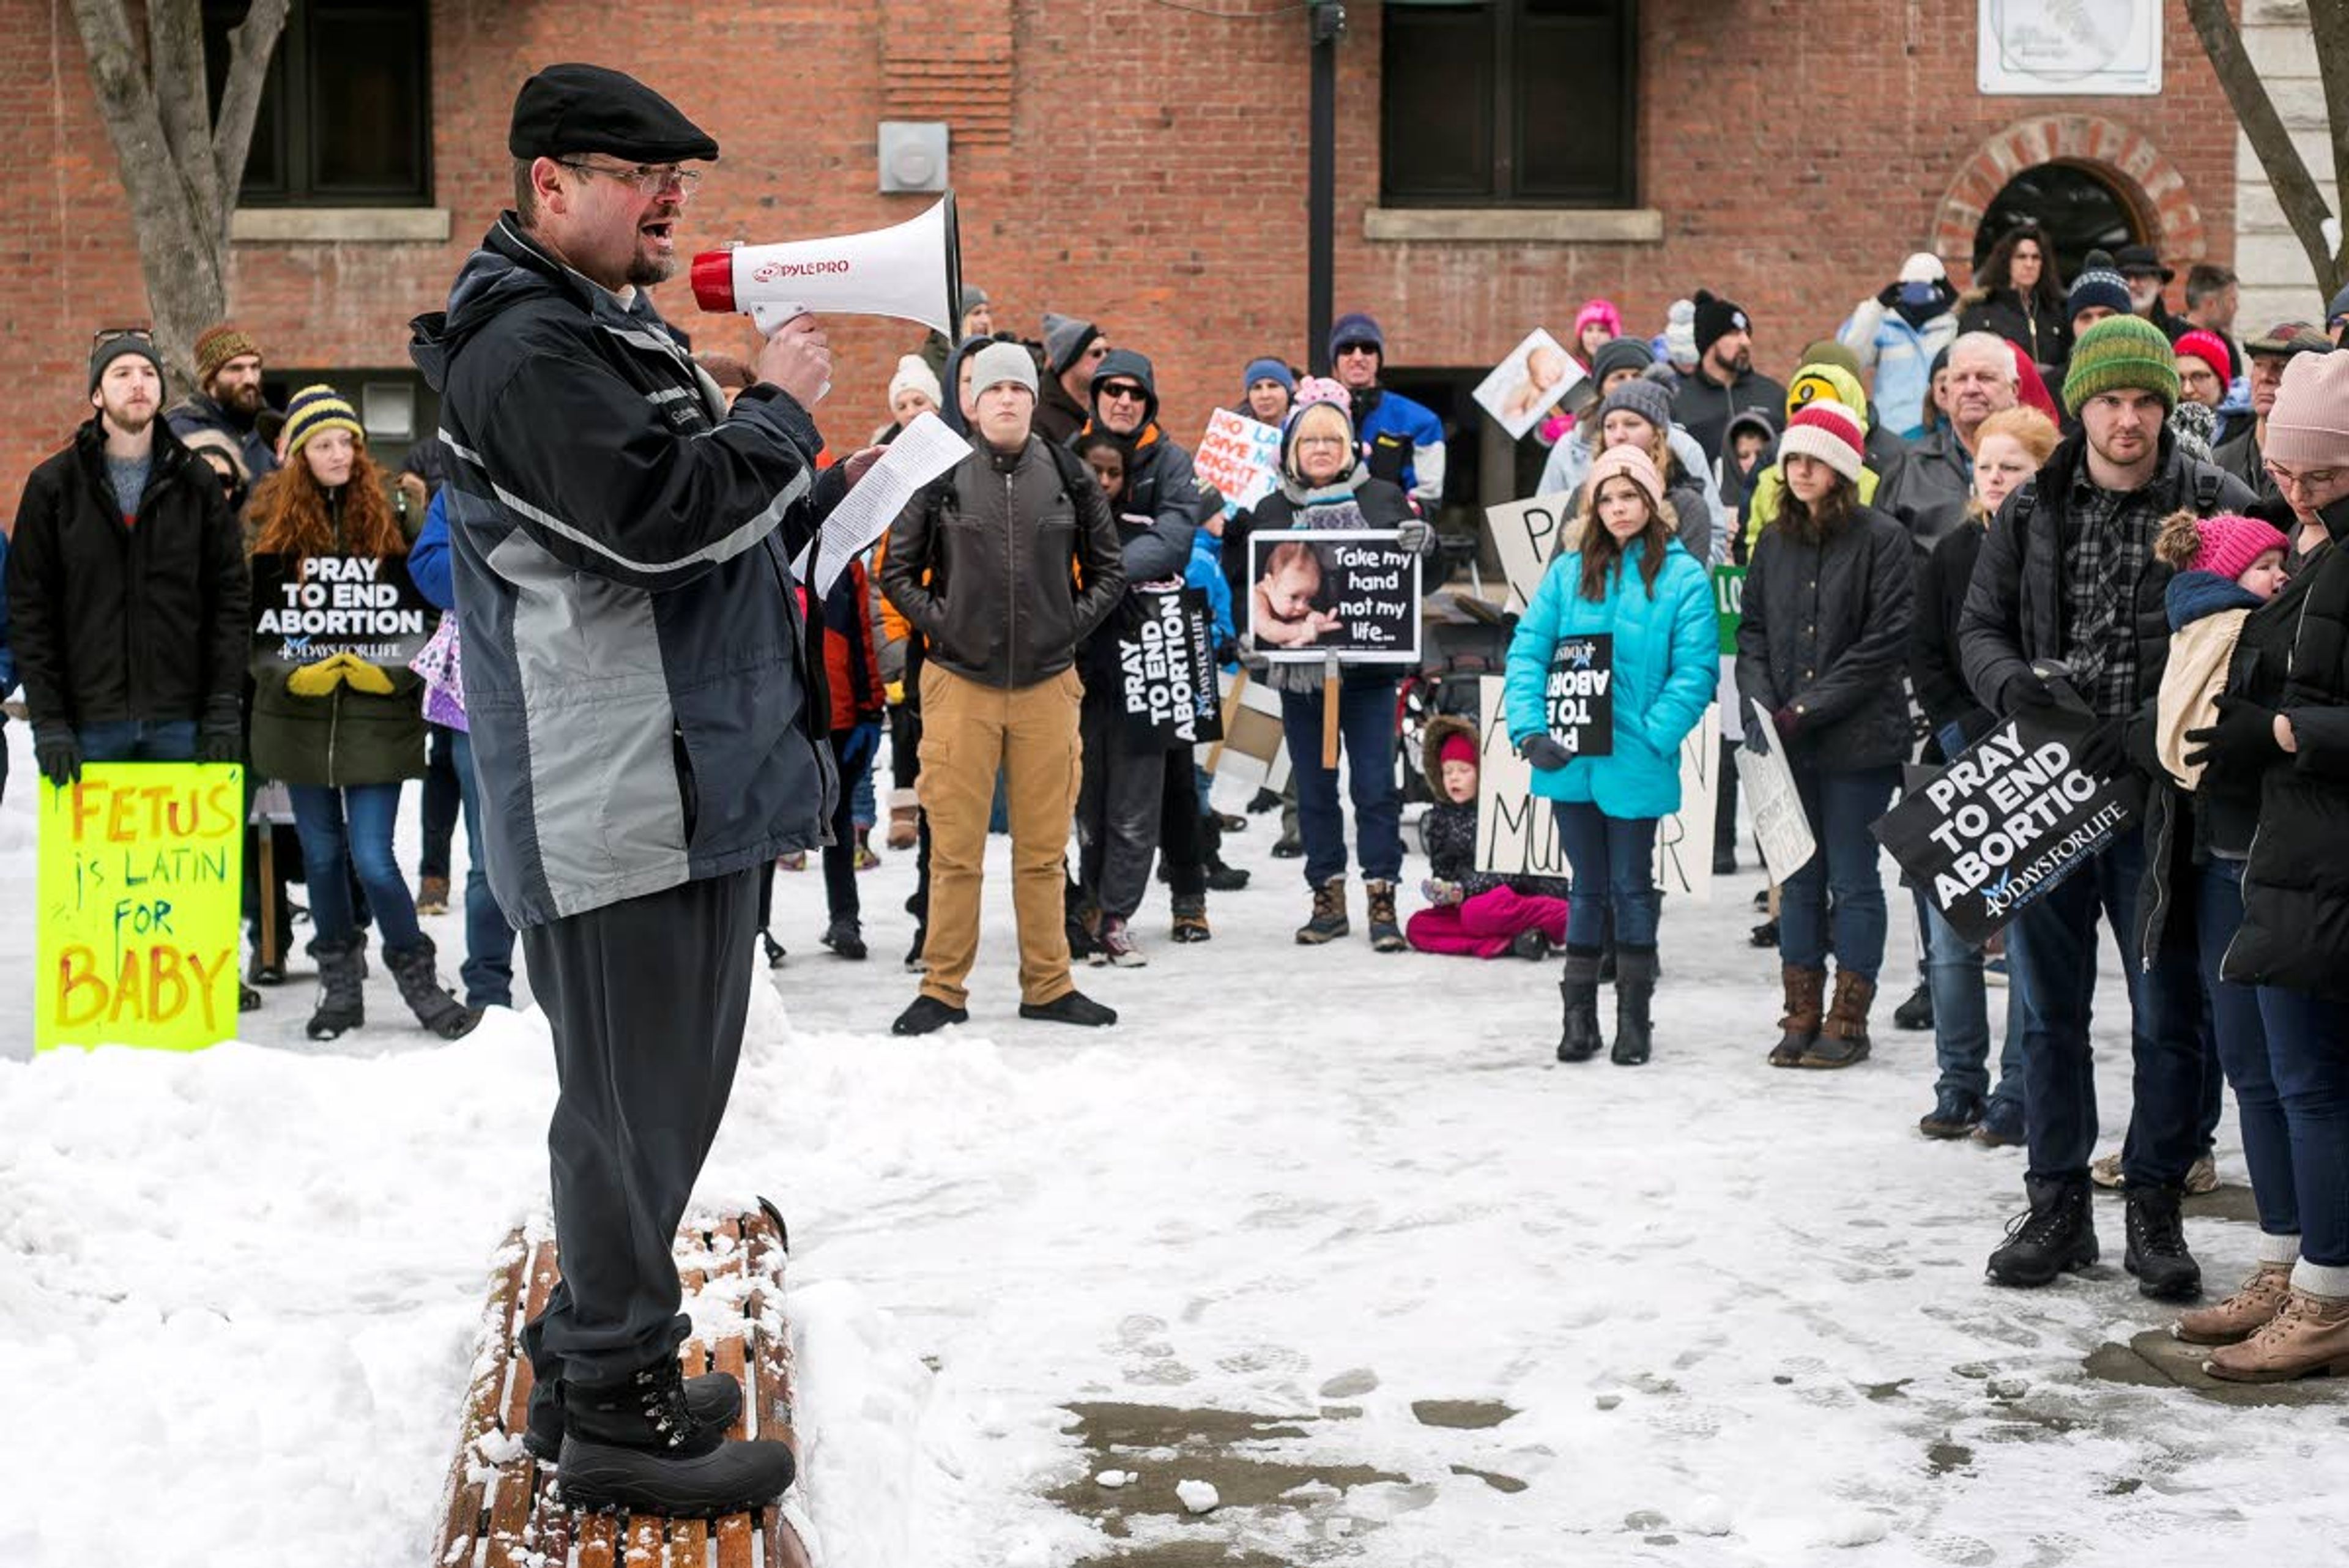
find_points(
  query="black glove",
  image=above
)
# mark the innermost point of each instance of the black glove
(2102, 751)
(2022, 691)
(2241, 741)
(1543, 751)
(220, 745)
(1889, 294)
(1754, 741)
(58, 756)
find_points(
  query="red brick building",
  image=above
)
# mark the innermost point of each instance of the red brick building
(1143, 162)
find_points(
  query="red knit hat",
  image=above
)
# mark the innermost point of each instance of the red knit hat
(1825, 430)
(1456, 748)
(2231, 542)
(2211, 349)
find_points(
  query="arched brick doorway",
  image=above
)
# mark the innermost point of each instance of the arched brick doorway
(2118, 156)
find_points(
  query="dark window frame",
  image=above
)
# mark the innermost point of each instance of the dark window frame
(1504, 131)
(288, 118)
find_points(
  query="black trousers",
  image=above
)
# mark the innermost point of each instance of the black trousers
(647, 999)
(1181, 831)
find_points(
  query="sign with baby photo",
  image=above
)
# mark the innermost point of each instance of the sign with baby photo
(1350, 592)
(309, 607)
(1167, 668)
(1579, 695)
(1238, 458)
(1522, 388)
(2007, 820)
(1525, 535)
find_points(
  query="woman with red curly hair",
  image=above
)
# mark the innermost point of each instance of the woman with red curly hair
(343, 733)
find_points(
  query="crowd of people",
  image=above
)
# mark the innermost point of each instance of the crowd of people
(1957, 508)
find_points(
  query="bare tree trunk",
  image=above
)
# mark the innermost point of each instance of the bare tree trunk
(2303, 204)
(179, 169)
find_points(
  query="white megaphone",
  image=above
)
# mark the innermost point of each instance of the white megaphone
(912, 271)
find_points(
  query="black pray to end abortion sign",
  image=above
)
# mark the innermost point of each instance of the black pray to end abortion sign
(1578, 694)
(1349, 593)
(307, 607)
(1167, 669)
(1990, 834)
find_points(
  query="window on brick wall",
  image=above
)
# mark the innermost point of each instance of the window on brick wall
(345, 118)
(1509, 103)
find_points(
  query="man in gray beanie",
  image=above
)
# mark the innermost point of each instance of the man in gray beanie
(1004, 567)
(1073, 349)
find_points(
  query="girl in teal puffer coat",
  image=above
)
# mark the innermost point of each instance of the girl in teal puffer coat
(1628, 579)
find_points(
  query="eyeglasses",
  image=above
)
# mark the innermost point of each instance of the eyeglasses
(1305, 441)
(1126, 390)
(658, 177)
(1346, 349)
(2313, 481)
(105, 335)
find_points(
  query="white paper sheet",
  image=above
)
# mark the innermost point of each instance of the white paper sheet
(923, 451)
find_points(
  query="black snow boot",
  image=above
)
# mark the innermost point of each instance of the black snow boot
(1223, 878)
(420, 988)
(926, 1015)
(1071, 1007)
(845, 937)
(772, 949)
(635, 1445)
(342, 1005)
(1635, 989)
(714, 1399)
(2057, 1232)
(2156, 1250)
(1328, 921)
(1386, 930)
(1579, 987)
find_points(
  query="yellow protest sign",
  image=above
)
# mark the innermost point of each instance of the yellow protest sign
(141, 866)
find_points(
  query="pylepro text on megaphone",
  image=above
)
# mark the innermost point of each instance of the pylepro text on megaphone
(912, 271)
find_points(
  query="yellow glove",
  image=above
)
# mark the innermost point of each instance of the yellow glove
(895, 691)
(361, 676)
(317, 679)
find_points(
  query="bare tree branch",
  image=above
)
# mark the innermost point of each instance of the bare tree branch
(2303, 204)
(250, 44)
(2328, 24)
(175, 65)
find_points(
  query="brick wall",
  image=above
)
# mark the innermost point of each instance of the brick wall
(1147, 167)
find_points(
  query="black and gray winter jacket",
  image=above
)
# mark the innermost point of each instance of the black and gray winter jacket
(1826, 632)
(644, 706)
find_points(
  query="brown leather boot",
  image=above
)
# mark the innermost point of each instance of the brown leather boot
(1806, 995)
(2309, 1337)
(1843, 1038)
(2254, 1304)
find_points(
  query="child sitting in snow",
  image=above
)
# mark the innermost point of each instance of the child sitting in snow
(2228, 566)
(1474, 912)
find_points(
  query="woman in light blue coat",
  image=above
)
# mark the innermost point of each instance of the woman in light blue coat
(1629, 578)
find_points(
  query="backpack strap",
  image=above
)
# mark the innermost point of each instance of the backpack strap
(1073, 469)
(2206, 481)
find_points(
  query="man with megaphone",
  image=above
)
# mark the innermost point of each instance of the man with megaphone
(647, 730)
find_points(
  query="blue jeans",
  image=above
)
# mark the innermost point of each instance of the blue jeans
(2242, 1041)
(1840, 804)
(352, 826)
(2308, 1047)
(488, 971)
(1366, 732)
(1613, 859)
(2051, 951)
(1953, 974)
(138, 741)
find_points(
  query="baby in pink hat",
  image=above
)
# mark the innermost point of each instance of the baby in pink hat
(2227, 566)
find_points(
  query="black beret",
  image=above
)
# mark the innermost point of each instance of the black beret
(573, 108)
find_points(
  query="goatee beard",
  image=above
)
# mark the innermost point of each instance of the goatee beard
(646, 271)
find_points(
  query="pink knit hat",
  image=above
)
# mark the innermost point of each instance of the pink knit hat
(2309, 425)
(1825, 430)
(1632, 463)
(2211, 349)
(2231, 542)
(1603, 312)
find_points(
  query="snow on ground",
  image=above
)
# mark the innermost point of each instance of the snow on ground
(1740, 1312)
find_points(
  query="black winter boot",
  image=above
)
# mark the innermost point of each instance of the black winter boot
(342, 1005)
(845, 937)
(713, 1399)
(420, 988)
(1327, 922)
(633, 1445)
(2057, 1232)
(1579, 987)
(2156, 1250)
(1386, 930)
(1635, 988)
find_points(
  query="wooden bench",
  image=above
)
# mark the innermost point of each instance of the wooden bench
(498, 1511)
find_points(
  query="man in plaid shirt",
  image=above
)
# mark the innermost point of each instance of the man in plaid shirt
(2067, 576)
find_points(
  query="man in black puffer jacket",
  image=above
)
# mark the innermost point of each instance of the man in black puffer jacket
(127, 588)
(2067, 574)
